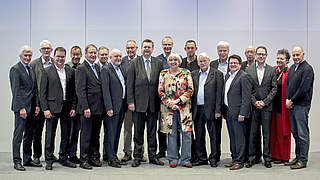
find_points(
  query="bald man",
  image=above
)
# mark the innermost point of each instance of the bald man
(114, 93)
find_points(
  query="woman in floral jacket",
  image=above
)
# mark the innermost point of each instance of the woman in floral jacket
(175, 90)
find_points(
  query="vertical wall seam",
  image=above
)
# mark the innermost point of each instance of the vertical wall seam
(141, 24)
(197, 30)
(85, 23)
(252, 22)
(30, 23)
(307, 34)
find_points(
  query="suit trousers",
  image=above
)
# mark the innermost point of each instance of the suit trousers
(139, 120)
(90, 137)
(112, 132)
(74, 135)
(236, 131)
(218, 129)
(257, 141)
(51, 127)
(200, 135)
(22, 130)
(37, 135)
(127, 132)
(260, 118)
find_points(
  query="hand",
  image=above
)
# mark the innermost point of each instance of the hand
(87, 113)
(23, 113)
(262, 104)
(110, 113)
(47, 114)
(217, 115)
(131, 107)
(175, 107)
(257, 104)
(289, 104)
(173, 102)
(72, 113)
(240, 118)
(37, 111)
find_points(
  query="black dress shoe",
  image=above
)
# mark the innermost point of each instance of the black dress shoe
(19, 167)
(121, 162)
(114, 163)
(36, 160)
(95, 163)
(161, 154)
(213, 163)
(249, 164)
(156, 162)
(135, 163)
(199, 163)
(49, 166)
(85, 165)
(32, 164)
(267, 164)
(68, 163)
(75, 160)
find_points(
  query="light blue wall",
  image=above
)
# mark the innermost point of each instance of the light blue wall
(273, 23)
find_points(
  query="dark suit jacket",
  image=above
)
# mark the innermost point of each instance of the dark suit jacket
(140, 91)
(239, 95)
(24, 89)
(37, 65)
(268, 88)
(88, 89)
(51, 93)
(215, 64)
(125, 64)
(212, 93)
(112, 89)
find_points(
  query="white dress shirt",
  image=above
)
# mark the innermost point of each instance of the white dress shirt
(260, 72)
(63, 80)
(202, 80)
(227, 87)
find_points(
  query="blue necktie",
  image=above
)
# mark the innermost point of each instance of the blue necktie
(95, 71)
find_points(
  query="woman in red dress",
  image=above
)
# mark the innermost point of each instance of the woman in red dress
(280, 137)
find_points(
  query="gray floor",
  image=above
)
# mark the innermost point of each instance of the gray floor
(152, 172)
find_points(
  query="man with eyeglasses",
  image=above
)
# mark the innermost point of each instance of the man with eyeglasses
(264, 89)
(38, 65)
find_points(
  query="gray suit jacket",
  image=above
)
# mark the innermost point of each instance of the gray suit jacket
(112, 89)
(268, 88)
(140, 91)
(88, 89)
(212, 93)
(23, 88)
(37, 65)
(51, 93)
(239, 95)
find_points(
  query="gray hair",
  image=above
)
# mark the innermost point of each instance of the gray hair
(24, 48)
(45, 42)
(203, 54)
(101, 48)
(223, 43)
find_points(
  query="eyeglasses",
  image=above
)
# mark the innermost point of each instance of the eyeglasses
(232, 63)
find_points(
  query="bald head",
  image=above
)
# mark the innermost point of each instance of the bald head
(297, 54)
(250, 54)
(116, 56)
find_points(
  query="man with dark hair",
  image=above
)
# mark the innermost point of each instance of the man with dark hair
(103, 56)
(264, 89)
(91, 108)
(58, 102)
(299, 90)
(25, 105)
(190, 62)
(75, 55)
(143, 100)
(237, 94)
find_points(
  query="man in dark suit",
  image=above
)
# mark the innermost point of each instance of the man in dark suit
(38, 65)
(91, 108)
(299, 90)
(114, 94)
(143, 100)
(57, 98)
(206, 108)
(75, 56)
(25, 105)
(237, 94)
(220, 64)
(264, 82)
(250, 55)
(103, 56)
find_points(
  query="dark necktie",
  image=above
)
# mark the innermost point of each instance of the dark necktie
(29, 73)
(148, 69)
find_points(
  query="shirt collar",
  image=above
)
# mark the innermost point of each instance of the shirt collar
(44, 61)
(132, 58)
(89, 62)
(144, 59)
(206, 72)
(234, 74)
(59, 69)
(24, 65)
(257, 66)
(114, 66)
(225, 63)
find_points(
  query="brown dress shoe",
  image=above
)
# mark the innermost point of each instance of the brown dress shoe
(236, 166)
(298, 165)
(144, 159)
(229, 165)
(293, 162)
(126, 157)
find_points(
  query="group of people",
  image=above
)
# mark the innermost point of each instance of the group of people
(178, 97)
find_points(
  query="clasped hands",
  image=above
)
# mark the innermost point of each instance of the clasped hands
(173, 104)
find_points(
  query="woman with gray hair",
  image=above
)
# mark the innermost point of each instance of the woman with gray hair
(175, 90)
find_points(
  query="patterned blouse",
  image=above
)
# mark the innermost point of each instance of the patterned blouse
(172, 87)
